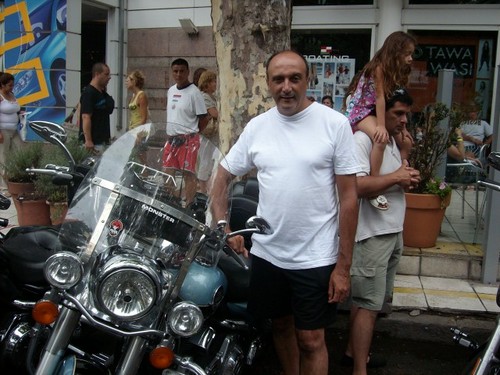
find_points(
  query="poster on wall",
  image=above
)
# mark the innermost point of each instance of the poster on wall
(34, 52)
(329, 75)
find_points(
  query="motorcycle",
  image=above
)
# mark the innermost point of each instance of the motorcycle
(486, 358)
(23, 252)
(144, 281)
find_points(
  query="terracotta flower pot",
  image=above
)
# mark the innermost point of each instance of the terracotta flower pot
(423, 217)
(58, 211)
(33, 212)
(17, 188)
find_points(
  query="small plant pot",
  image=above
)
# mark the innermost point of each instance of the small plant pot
(58, 211)
(33, 211)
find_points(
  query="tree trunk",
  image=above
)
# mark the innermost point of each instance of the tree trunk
(246, 34)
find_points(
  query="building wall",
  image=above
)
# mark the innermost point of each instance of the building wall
(155, 36)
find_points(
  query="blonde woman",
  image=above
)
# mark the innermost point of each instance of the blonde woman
(138, 104)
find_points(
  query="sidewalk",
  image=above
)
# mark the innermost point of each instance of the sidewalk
(441, 279)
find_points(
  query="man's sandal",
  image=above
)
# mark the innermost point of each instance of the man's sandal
(379, 202)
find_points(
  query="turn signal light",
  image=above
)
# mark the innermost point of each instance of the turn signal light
(161, 357)
(45, 312)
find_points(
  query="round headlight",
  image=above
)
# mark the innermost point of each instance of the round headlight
(127, 293)
(185, 319)
(63, 270)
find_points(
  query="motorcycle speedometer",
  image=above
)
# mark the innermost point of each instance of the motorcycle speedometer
(127, 293)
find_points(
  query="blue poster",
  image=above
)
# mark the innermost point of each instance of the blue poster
(35, 53)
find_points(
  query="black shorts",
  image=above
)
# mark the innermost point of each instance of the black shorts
(276, 293)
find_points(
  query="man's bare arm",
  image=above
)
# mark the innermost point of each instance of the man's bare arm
(348, 220)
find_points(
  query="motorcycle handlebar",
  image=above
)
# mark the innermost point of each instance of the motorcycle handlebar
(4, 222)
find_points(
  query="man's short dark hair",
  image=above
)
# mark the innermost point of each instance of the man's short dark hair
(289, 50)
(98, 68)
(180, 62)
(399, 95)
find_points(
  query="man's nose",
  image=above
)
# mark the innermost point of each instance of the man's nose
(287, 85)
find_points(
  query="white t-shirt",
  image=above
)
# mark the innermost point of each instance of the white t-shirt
(372, 221)
(479, 129)
(297, 158)
(8, 114)
(183, 108)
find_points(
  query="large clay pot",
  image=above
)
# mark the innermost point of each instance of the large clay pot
(58, 211)
(423, 218)
(18, 188)
(33, 212)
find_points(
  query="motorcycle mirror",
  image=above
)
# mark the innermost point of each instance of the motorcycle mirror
(49, 130)
(259, 223)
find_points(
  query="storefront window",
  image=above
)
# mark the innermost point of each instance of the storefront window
(471, 56)
(331, 2)
(352, 43)
(457, 2)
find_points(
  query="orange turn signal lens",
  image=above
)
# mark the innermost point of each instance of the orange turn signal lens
(45, 312)
(161, 357)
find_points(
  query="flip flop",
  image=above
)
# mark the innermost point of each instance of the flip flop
(379, 202)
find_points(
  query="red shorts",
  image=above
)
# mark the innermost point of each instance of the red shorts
(181, 152)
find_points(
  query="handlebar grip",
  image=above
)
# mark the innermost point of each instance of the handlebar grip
(235, 256)
(4, 222)
(62, 178)
(4, 202)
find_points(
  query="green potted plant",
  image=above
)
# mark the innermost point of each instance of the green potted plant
(19, 182)
(427, 202)
(57, 195)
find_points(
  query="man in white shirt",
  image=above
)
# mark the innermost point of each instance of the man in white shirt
(303, 155)
(379, 240)
(186, 114)
(475, 132)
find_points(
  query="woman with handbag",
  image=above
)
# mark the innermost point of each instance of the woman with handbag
(207, 85)
(9, 121)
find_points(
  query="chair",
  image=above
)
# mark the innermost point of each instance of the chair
(464, 174)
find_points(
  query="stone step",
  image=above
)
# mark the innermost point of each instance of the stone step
(446, 259)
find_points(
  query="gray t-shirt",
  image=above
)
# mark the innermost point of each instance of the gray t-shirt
(372, 221)
(479, 129)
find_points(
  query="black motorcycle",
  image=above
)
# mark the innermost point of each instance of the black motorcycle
(486, 357)
(144, 281)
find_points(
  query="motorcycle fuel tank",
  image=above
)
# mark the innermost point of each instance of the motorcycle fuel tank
(203, 285)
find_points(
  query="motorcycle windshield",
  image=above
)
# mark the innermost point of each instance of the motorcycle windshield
(145, 198)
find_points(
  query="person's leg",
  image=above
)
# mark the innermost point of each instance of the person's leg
(368, 126)
(312, 313)
(270, 298)
(360, 337)
(313, 352)
(285, 343)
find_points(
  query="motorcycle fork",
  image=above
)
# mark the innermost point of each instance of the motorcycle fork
(132, 358)
(58, 341)
(489, 357)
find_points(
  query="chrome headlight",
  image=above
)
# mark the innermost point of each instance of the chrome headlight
(185, 319)
(63, 270)
(127, 293)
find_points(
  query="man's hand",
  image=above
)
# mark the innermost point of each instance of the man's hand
(340, 285)
(237, 243)
(89, 145)
(408, 177)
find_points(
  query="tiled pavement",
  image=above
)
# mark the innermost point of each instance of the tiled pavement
(443, 278)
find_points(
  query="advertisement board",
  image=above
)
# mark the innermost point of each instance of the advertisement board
(34, 52)
(330, 75)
